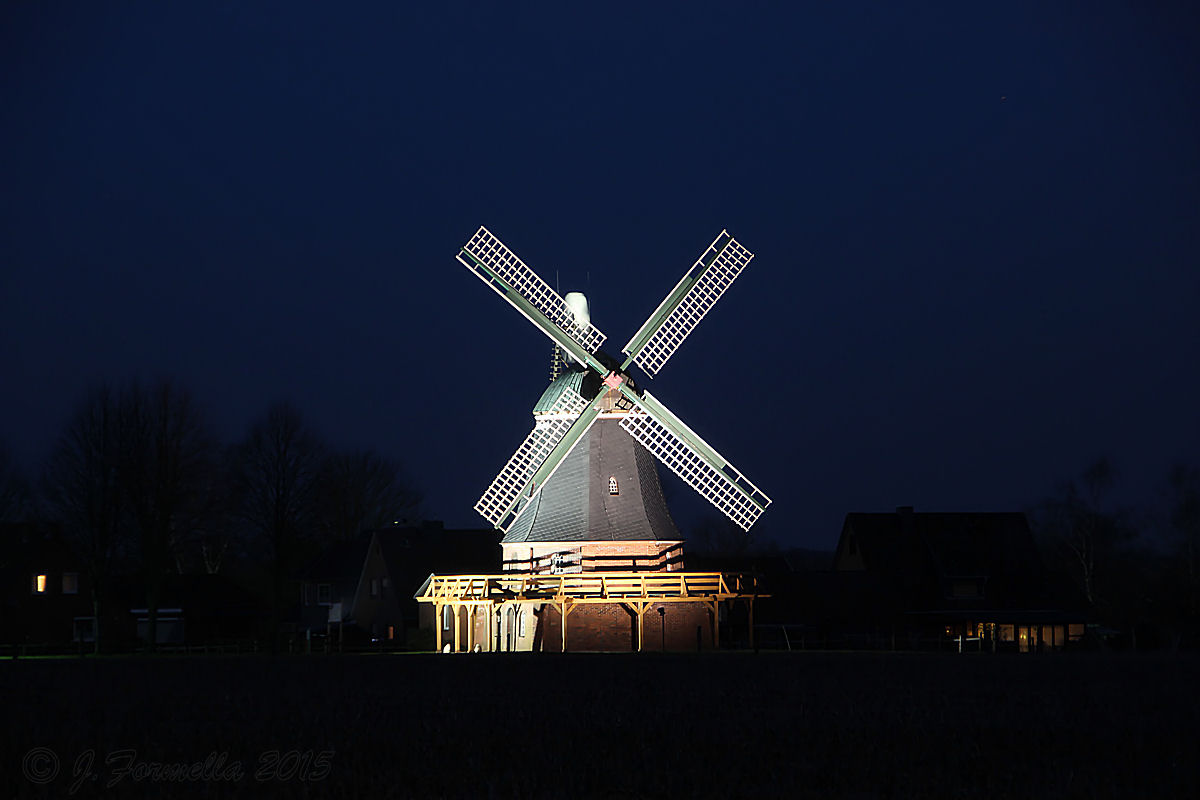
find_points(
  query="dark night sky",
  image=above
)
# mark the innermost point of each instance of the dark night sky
(975, 230)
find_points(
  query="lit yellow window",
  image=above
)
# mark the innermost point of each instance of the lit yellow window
(612, 485)
(39, 584)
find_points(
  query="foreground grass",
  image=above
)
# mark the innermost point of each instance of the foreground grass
(859, 725)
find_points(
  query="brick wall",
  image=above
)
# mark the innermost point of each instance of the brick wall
(612, 627)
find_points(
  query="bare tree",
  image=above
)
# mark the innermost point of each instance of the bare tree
(214, 536)
(357, 491)
(1184, 486)
(1079, 521)
(715, 535)
(15, 497)
(166, 462)
(274, 473)
(83, 491)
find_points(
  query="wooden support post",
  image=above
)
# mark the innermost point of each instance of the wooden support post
(437, 624)
(716, 607)
(457, 627)
(751, 602)
(641, 613)
(470, 628)
(563, 611)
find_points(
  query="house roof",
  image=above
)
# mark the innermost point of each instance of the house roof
(950, 562)
(411, 554)
(340, 563)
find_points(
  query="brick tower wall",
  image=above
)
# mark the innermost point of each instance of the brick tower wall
(635, 556)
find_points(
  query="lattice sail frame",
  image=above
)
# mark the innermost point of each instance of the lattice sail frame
(491, 253)
(726, 488)
(497, 502)
(727, 262)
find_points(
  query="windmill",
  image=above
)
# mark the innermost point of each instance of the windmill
(601, 388)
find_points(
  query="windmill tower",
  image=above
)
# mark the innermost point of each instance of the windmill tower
(581, 492)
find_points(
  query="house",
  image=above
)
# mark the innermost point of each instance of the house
(912, 579)
(47, 602)
(361, 591)
(46, 594)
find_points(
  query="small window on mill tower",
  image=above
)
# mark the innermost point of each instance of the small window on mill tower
(612, 485)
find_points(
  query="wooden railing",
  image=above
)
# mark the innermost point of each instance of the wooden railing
(575, 560)
(595, 587)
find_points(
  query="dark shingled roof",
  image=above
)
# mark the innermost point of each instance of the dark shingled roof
(576, 506)
(915, 559)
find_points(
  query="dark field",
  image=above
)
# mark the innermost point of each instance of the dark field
(733, 725)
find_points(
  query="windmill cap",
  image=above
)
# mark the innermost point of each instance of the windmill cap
(578, 304)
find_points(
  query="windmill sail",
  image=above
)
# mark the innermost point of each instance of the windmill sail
(691, 458)
(697, 291)
(540, 452)
(499, 268)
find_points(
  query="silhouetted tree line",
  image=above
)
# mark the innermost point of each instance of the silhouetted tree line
(1137, 570)
(138, 484)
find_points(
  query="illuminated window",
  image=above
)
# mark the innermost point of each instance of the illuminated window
(39, 584)
(70, 583)
(612, 485)
(446, 616)
(1054, 635)
(521, 624)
